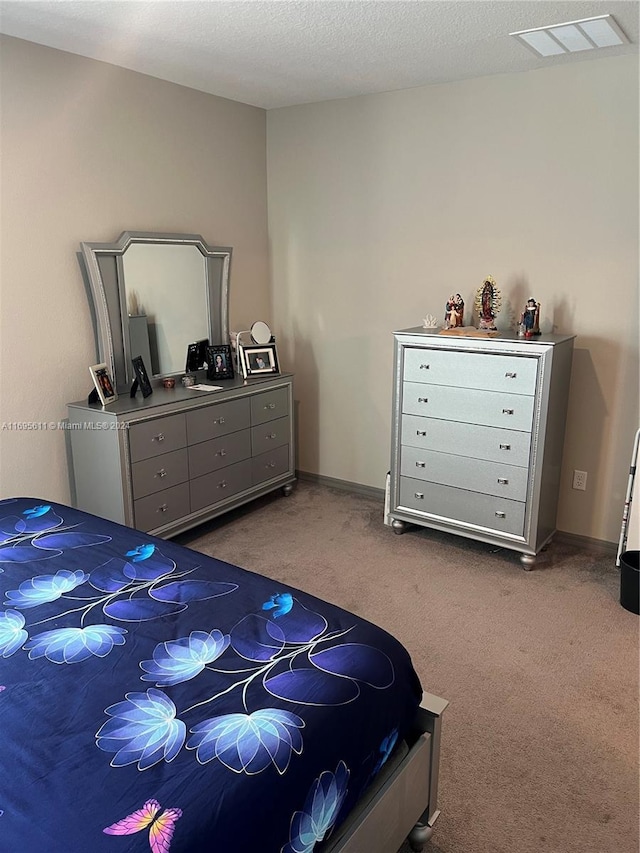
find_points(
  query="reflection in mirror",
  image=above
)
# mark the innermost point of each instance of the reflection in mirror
(260, 332)
(166, 302)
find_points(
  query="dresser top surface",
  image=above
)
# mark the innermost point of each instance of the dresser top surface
(475, 337)
(181, 398)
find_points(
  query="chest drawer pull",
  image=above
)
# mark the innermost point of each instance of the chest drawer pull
(161, 473)
(221, 453)
(423, 399)
(222, 484)
(158, 437)
(500, 514)
(422, 432)
(271, 464)
(162, 508)
(510, 375)
(270, 406)
(505, 447)
(425, 366)
(419, 495)
(507, 411)
(271, 435)
(420, 464)
(503, 481)
(218, 420)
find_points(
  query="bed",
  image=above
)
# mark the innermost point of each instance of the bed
(153, 698)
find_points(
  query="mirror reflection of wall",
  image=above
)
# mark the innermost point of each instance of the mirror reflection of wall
(166, 283)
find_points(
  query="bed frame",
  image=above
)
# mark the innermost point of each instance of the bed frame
(403, 802)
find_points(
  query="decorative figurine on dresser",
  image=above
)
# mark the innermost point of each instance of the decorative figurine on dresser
(480, 458)
(454, 312)
(530, 319)
(488, 301)
(193, 450)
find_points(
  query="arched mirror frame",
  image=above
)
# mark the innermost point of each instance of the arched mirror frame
(103, 264)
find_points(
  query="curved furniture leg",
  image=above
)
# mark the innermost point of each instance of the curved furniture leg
(286, 490)
(398, 526)
(419, 835)
(528, 561)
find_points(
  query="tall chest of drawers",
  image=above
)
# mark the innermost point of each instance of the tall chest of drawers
(477, 436)
(181, 457)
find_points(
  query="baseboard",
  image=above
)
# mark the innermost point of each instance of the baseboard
(585, 542)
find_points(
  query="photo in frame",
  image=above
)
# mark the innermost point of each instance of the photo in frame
(141, 378)
(196, 355)
(219, 362)
(259, 360)
(104, 384)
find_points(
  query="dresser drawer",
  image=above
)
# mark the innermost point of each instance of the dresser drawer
(490, 408)
(159, 472)
(160, 435)
(270, 435)
(219, 485)
(510, 373)
(216, 420)
(479, 442)
(459, 505)
(163, 507)
(219, 452)
(269, 405)
(476, 475)
(270, 464)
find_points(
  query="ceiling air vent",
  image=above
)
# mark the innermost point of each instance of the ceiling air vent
(574, 36)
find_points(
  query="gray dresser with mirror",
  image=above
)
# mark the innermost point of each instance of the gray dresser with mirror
(180, 456)
(477, 435)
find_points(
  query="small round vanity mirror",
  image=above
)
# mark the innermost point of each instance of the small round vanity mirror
(260, 332)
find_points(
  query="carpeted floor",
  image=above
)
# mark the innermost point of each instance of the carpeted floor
(540, 742)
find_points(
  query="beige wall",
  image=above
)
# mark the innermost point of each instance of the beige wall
(380, 206)
(90, 150)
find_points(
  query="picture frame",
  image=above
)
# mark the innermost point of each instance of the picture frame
(259, 360)
(196, 355)
(105, 388)
(219, 362)
(141, 377)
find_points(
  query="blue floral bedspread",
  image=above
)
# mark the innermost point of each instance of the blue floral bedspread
(156, 699)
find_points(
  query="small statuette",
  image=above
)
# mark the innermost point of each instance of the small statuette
(530, 319)
(430, 322)
(454, 312)
(488, 301)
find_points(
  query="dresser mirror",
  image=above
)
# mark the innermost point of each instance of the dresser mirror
(153, 295)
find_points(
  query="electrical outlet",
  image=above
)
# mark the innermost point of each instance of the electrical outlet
(580, 481)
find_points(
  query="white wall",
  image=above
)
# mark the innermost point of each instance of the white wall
(88, 151)
(380, 206)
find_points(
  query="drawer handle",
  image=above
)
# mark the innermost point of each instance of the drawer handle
(221, 453)
(161, 473)
(271, 464)
(158, 437)
(419, 495)
(505, 447)
(218, 420)
(511, 375)
(271, 435)
(421, 432)
(424, 366)
(507, 411)
(420, 464)
(222, 484)
(162, 508)
(502, 481)
(500, 514)
(270, 406)
(423, 399)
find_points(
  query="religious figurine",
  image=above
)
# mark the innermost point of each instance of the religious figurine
(488, 301)
(530, 319)
(454, 312)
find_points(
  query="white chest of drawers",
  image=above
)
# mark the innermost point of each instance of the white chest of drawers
(477, 436)
(182, 457)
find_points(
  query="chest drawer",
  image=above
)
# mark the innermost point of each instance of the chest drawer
(461, 506)
(270, 435)
(159, 472)
(481, 442)
(216, 420)
(157, 436)
(269, 405)
(509, 373)
(489, 408)
(270, 464)
(220, 485)
(219, 452)
(161, 508)
(489, 478)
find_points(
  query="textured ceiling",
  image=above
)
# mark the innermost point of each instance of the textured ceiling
(274, 53)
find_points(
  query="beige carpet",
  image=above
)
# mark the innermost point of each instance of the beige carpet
(540, 742)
